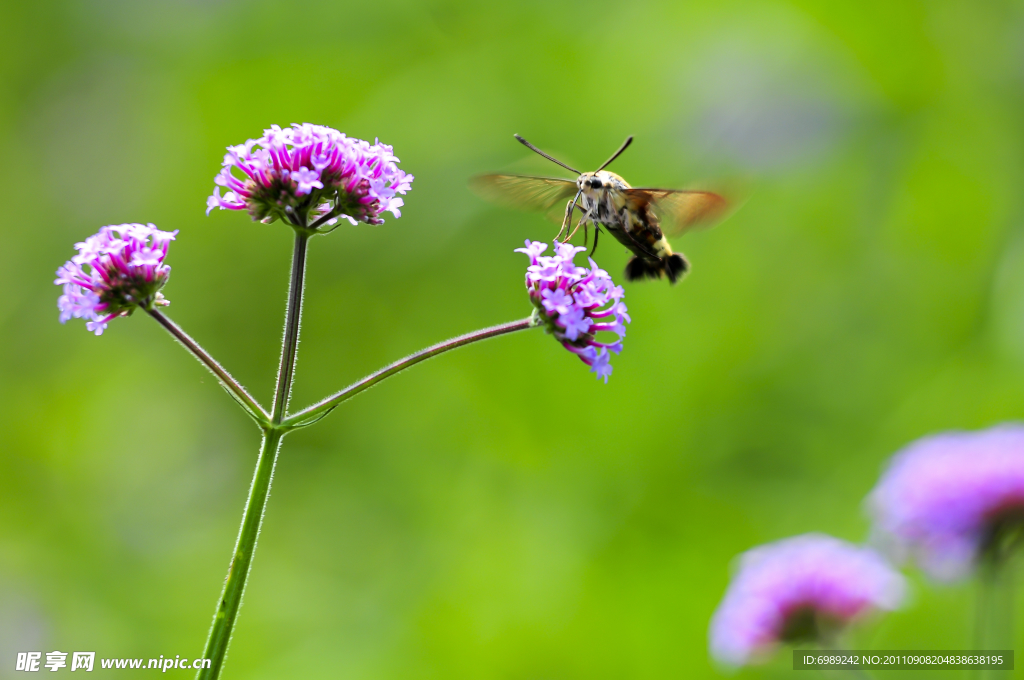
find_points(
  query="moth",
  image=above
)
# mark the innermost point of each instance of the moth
(632, 215)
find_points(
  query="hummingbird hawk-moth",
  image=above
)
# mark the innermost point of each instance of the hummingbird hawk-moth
(630, 214)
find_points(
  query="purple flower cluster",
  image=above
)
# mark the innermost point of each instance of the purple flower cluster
(794, 589)
(575, 303)
(945, 498)
(308, 171)
(116, 270)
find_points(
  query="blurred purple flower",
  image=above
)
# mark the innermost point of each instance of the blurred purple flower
(798, 589)
(568, 301)
(306, 172)
(116, 270)
(947, 498)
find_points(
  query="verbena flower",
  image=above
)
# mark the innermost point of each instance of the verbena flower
(947, 499)
(116, 270)
(801, 589)
(576, 303)
(308, 171)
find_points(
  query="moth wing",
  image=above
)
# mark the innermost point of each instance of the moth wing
(543, 194)
(682, 209)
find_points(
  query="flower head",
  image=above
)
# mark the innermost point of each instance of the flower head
(575, 303)
(307, 172)
(116, 270)
(796, 589)
(947, 499)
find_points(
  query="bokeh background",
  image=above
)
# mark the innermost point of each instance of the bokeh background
(496, 513)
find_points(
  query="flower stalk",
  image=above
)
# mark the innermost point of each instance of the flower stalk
(293, 316)
(994, 615)
(310, 177)
(256, 504)
(234, 388)
(276, 425)
(311, 414)
(241, 560)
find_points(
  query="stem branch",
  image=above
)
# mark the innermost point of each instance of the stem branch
(322, 408)
(275, 426)
(246, 401)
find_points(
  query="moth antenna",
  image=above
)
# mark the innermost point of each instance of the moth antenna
(629, 140)
(531, 147)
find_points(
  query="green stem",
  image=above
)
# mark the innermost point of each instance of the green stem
(293, 315)
(241, 562)
(322, 408)
(995, 604)
(829, 642)
(245, 547)
(274, 430)
(244, 399)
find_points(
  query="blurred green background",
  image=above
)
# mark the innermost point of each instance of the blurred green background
(496, 513)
